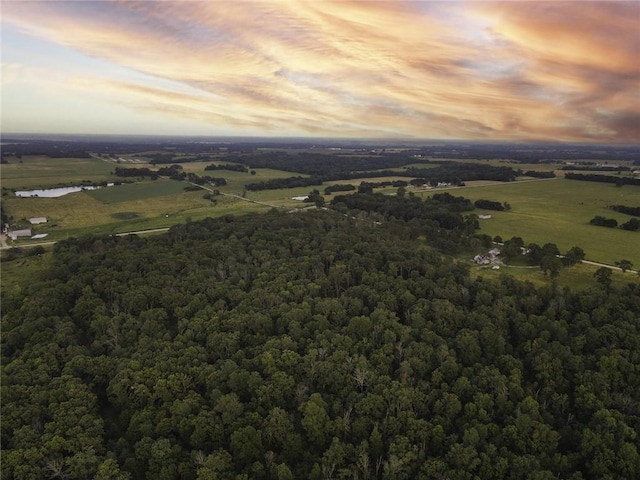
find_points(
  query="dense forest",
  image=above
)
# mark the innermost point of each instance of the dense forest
(448, 172)
(330, 167)
(312, 345)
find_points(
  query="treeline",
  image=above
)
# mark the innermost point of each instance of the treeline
(531, 153)
(535, 174)
(597, 168)
(367, 187)
(547, 256)
(409, 207)
(135, 172)
(456, 173)
(242, 150)
(310, 346)
(48, 149)
(489, 205)
(632, 225)
(635, 211)
(601, 221)
(228, 166)
(289, 182)
(592, 177)
(338, 188)
(175, 172)
(163, 158)
(328, 167)
(451, 173)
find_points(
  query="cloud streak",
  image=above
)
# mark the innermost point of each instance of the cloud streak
(479, 70)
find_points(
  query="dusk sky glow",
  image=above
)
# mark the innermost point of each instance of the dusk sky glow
(480, 71)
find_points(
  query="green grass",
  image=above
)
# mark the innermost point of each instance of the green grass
(579, 277)
(41, 171)
(19, 273)
(138, 191)
(81, 214)
(558, 211)
(137, 206)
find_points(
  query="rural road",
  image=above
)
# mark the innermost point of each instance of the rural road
(491, 184)
(239, 197)
(589, 262)
(252, 201)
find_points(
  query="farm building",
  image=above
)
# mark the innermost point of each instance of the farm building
(37, 220)
(19, 233)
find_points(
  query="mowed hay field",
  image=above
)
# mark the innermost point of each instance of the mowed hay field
(558, 211)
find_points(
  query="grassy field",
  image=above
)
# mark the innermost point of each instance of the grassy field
(136, 207)
(138, 191)
(127, 207)
(41, 171)
(579, 276)
(558, 211)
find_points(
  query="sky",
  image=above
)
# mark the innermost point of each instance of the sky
(508, 71)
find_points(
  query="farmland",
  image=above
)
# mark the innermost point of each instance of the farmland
(41, 171)
(558, 211)
(542, 211)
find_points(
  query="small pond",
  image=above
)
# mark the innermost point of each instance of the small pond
(55, 192)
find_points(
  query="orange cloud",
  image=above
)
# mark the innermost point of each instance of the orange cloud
(495, 70)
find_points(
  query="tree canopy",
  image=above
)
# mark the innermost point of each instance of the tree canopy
(316, 345)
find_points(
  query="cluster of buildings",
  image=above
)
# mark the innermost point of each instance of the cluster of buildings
(25, 232)
(491, 258)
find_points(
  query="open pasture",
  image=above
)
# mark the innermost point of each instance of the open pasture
(580, 276)
(558, 211)
(81, 213)
(130, 206)
(138, 191)
(42, 171)
(236, 181)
